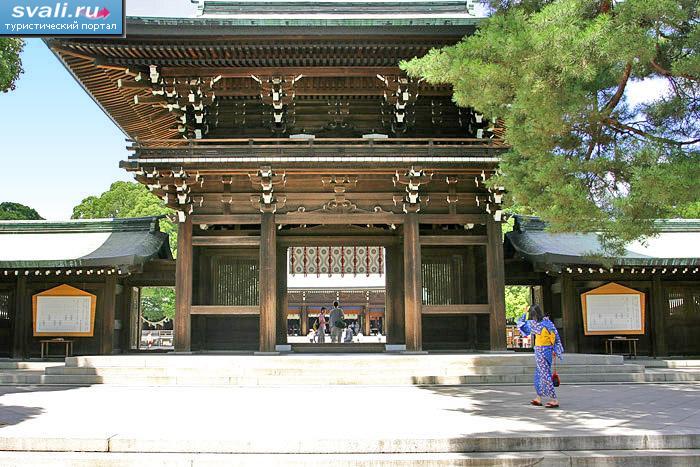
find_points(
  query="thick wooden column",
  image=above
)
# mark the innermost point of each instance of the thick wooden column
(22, 319)
(413, 300)
(134, 318)
(109, 304)
(496, 285)
(470, 291)
(183, 287)
(268, 282)
(547, 300)
(366, 325)
(394, 311)
(281, 291)
(569, 313)
(658, 318)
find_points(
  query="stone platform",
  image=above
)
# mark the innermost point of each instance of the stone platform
(598, 425)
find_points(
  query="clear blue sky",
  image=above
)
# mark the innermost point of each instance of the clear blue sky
(58, 147)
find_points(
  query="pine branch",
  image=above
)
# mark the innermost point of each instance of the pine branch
(616, 124)
(615, 99)
(667, 73)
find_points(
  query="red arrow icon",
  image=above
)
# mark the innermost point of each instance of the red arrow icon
(103, 13)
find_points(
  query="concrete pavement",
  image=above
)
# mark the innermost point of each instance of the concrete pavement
(346, 419)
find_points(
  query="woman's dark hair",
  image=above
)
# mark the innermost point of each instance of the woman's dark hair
(323, 308)
(536, 313)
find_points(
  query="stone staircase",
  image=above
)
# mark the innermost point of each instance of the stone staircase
(109, 443)
(315, 369)
(672, 370)
(338, 369)
(24, 372)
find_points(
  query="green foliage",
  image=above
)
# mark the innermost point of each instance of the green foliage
(158, 303)
(16, 212)
(127, 199)
(10, 62)
(689, 211)
(517, 298)
(558, 74)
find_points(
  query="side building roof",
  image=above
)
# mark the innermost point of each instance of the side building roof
(677, 244)
(122, 244)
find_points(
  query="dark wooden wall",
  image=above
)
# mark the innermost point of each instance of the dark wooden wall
(672, 318)
(228, 277)
(456, 332)
(25, 345)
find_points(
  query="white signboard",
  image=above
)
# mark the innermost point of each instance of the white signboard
(614, 313)
(63, 315)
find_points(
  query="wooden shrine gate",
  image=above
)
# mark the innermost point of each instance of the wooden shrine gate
(232, 278)
(263, 132)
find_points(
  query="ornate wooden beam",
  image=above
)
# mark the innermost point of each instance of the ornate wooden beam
(313, 71)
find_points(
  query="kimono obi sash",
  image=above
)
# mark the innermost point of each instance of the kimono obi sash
(545, 338)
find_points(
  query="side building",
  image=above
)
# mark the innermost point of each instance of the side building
(104, 258)
(564, 266)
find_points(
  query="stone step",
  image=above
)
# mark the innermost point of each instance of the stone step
(236, 442)
(27, 365)
(672, 375)
(358, 361)
(21, 377)
(338, 371)
(375, 380)
(604, 458)
(669, 363)
(377, 348)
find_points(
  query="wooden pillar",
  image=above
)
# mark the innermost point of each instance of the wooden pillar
(109, 303)
(658, 318)
(183, 287)
(394, 309)
(569, 313)
(470, 272)
(366, 325)
(413, 297)
(134, 318)
(547, 302)
(496, 285)
(125, 313)
(281, 291)
(268, 282)
(304, 320)
(22, 319)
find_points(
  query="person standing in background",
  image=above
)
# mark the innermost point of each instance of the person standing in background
(322, 326)
(337, 319)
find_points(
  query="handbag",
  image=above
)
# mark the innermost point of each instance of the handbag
(556, 381)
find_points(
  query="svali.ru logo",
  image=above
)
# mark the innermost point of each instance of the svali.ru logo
(60, 10)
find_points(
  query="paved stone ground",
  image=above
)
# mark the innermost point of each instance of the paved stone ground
(293, 419)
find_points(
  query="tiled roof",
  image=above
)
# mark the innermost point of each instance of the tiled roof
(677, 244)
(119, 243)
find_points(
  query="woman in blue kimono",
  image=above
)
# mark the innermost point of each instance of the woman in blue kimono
(547, 347)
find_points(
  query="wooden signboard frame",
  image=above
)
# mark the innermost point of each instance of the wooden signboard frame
(64, 291)
(613, 289)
